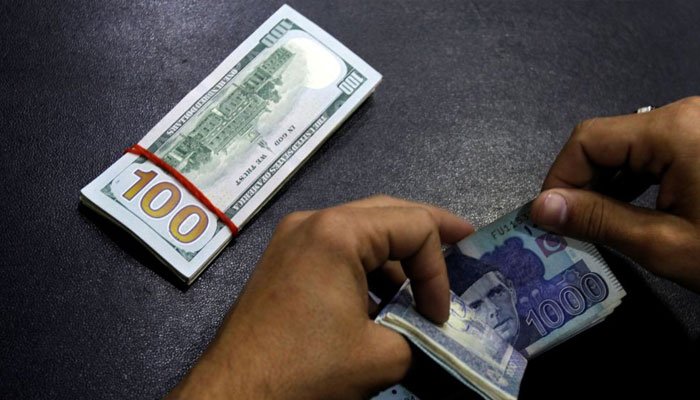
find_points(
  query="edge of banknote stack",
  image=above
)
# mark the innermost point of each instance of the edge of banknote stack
(238, 137)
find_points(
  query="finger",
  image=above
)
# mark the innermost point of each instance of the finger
(649, 237)
(381, 200)
(611, 142)
(412, 235)
(452, 227)
(291, 221)
(390, 358)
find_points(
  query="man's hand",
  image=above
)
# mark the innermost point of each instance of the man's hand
(620, 157)
(300, 329)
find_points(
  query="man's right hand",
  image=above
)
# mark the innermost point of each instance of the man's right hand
(627, 154)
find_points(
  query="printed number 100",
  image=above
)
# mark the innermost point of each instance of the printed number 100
(170, 196)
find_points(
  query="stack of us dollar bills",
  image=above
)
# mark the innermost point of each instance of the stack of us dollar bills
(516, 291)
(237, 137)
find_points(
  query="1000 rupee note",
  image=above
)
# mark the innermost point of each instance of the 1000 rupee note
(524, 289)
(534, 287)
(238, 136)
(465, 346)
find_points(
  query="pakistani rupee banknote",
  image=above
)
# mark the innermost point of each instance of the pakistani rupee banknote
(465, 345)
(238, 136)
(534, 289)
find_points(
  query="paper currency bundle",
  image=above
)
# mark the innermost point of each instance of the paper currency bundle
(236, 138)
(516, 291)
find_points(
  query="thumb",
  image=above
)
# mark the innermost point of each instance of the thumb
(648, 236)
(588, 216)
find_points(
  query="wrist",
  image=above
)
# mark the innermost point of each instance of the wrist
(215, 377)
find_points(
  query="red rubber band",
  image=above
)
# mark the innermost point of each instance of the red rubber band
(140, 151)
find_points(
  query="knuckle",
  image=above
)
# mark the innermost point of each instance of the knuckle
(327, 228)
(291, 221)
(385, 200)
(382, 197)
(692, 101)
(664, 243)
(671, 238)
(426, 216)
(686, 114)
(594, 221)
(584, 127)
(666, 235)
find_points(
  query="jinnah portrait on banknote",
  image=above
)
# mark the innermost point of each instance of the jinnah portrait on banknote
(492, 297)
(491, 293)
(468, 328)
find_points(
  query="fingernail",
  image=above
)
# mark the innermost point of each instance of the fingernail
(554, 210)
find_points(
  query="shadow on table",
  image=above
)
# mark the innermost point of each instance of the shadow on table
(639, 351)
(132, 246)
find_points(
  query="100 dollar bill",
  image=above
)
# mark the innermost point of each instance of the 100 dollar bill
(238, 136)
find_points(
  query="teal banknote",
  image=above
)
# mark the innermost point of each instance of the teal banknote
(238, 136)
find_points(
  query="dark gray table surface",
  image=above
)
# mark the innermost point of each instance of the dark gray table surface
(476, 101)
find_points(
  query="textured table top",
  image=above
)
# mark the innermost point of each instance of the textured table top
(477, 99)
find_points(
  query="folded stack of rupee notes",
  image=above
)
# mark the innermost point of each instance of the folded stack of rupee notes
(516, 291)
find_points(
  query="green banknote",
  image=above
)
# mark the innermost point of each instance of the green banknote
(238, 136)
